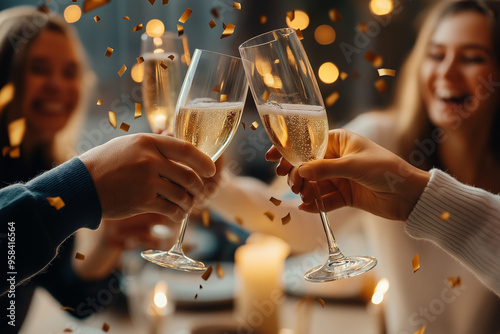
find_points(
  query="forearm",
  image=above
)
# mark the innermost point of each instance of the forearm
(37, 227)
(472, 231)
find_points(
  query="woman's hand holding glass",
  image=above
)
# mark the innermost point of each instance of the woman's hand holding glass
(291, 108)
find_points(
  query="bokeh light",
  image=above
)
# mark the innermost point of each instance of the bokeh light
(300, 21)
(324, 34)
(72, 13)
(381, 7)
(155, 28)
(137, 72)
(328, 73)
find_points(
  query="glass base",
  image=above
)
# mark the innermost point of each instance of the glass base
(345, 267)
(173, 260)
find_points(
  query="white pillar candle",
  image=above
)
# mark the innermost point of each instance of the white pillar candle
(259, 267)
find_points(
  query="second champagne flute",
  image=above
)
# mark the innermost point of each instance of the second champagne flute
(208, 113)
(291, 108)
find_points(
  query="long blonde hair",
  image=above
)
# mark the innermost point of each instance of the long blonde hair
(19, 27)
(413, 121)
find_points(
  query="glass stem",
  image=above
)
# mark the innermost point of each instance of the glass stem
(177, 247)
(334, 253)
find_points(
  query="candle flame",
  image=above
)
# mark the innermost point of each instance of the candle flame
(160, 294)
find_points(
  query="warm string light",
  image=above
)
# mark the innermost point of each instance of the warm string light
(381, 7)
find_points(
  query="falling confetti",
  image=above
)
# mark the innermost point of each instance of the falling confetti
(219, 270)
(122, 70)
(445, 215)
(334, 15)
(228, 31)
(205, 217)
(140, 60)
(109, 52)
(112, 119)
(455, 282)
(185, 15)
(285, 220)
(254, 125)
(420, 331)
(275, 201)
(138, 110)
(79, 256)
(212, 24)
(99, 102)
(415, 263)
(89, 5)
(299, 34)
(124, 126)
(321, 301)
(6, 95)
(269, 215)
(331, 99)
(180, 30)
(386, 71)
(67, 308)
(56, 202)
(207, 273)
(105, 327)
(137, 27)
(223, 97)
(97, 18)
(237, 5)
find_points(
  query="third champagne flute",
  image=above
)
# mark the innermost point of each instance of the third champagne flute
(291, 108)
(208, 113)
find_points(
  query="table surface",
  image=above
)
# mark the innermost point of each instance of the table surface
(46, 316)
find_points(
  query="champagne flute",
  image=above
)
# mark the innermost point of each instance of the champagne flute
(208, 113)
(166, 59)
(291, 108)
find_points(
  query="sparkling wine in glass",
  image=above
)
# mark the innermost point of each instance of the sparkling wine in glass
(208, 113)
(291, 108)
(166, 59)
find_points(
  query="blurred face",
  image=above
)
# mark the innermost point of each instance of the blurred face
(459, 75)
(51, 83)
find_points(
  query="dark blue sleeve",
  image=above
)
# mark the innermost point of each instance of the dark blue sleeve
(31, 230)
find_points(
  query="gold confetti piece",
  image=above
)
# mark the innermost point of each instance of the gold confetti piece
(215, 13)
(228, 31)
(5, 151)
(237, 5)
(185, 15)
(138, 110)
(126, 18)
(415, 263)
(140, 60)
(285, 220)
(43, 8)
(254, 125)
(79, 256)
(362, 27)
(216, 89)
(219, 270)
(212, 24)
(89, 5)
(232, 237)
(381, 85)
(124, 126)
(205, 217)
(105, 327)
(6, 95)
(420, 331)
(15, 153)
(171, 57)
(97, 18)
(291, 15)
(152, 2)
(165, 2)
(262, 19)
(334, 15)
(180, 30)
(375, 59)
(386, 71)
(137, 27)
(299, 34)
(321, 301)
(67, 330)
(223, 97)
(56, 202)
(99, 102)
(195, 296)
(163, 65)
(112, 118)
(332, 98)
(207, 273)
(343, 75)
(445, 215)
(238, 220)
(266, 96)
(201, 286)
(16, 130)
(109, 52)
(122, 70)
(275, 201)
(454, 282)
(244, 125)
(269, 215)
(67, 308)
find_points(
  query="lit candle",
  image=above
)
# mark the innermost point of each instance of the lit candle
(158, 307)
(259, 267)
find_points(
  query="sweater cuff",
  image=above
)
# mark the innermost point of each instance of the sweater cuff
(73, 184)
